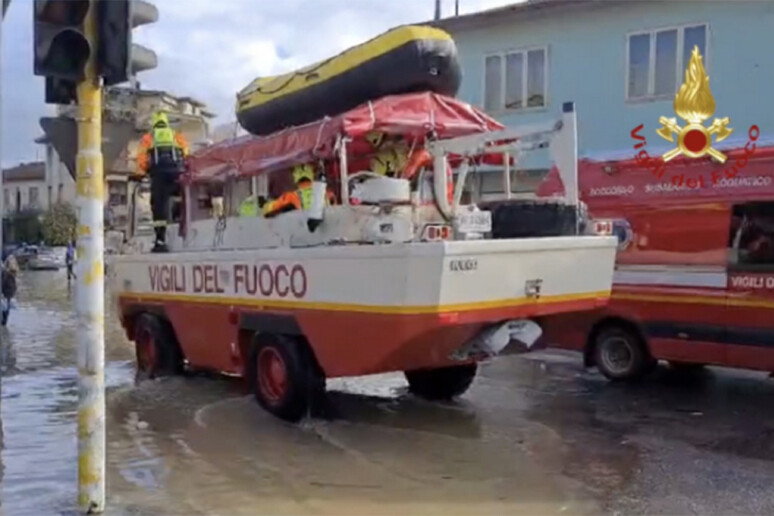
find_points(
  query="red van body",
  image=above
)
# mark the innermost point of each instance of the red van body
(694, 280)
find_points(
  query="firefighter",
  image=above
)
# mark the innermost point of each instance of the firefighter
(248, 207)
(298, 199)
(397, 160)
(161, 155)
(391, 154)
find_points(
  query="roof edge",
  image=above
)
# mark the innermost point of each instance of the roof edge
(515, 11)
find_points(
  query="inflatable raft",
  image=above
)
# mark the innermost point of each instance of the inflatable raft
(403, 60)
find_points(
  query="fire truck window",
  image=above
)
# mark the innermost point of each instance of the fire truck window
(751, 236)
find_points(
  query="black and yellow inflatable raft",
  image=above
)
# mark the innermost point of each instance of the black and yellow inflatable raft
(403, 60)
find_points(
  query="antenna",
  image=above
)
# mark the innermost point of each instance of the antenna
(437, 9)
(456, 7)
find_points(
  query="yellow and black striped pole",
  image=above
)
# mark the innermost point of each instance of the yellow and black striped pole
(90, 279)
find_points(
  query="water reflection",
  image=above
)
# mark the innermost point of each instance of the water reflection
(198, 445)
(39, 395)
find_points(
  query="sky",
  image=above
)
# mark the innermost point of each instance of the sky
(209, 50)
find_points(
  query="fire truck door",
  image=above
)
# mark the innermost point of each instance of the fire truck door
(750, 288)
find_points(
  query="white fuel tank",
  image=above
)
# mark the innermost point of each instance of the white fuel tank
(377, 190)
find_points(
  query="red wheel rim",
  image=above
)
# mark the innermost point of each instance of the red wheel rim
(146, 350)
(272, 374)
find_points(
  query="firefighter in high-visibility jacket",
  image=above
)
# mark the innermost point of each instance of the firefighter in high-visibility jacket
(161, 155)
(395, 159)
(390, 157)
(298, 199)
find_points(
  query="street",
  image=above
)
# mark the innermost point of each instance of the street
(535, 435)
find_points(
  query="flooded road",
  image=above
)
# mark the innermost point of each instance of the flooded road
(535, 435)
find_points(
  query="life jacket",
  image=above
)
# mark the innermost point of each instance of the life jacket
(165, 151)
(248, 207)
(305, 197)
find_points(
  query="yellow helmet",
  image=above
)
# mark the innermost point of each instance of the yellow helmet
(375, 138)
(301, 172)
(159, 117)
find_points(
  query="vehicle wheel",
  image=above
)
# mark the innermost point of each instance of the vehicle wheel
(620, 354)
(286, 379)
(156, 348)
(443, 383)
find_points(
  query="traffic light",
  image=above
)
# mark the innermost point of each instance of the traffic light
(118, 58)
(61, 46)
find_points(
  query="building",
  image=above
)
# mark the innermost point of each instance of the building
(126, 117)
(227, 131)
(23, 187)
(621, 62)
(28, 187)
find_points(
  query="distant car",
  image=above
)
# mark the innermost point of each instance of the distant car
(44, 260)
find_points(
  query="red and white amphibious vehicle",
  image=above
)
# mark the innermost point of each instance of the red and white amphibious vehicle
(396, 274)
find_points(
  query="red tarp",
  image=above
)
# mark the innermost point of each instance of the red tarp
(412, 116)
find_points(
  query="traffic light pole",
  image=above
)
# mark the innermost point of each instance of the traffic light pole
(89, 293)
(4, 4)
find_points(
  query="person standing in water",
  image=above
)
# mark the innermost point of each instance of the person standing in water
(9, 272)
(70, 261)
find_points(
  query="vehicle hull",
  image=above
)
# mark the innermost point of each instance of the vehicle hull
(363, 308)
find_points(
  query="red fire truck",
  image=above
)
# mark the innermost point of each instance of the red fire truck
(694, 279)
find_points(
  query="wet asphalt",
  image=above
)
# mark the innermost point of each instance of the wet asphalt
(536, 434)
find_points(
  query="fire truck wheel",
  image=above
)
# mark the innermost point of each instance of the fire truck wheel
(285, 377)
(156, 347)
(620, 354)
(443, 383)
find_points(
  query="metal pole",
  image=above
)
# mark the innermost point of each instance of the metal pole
(4, 8)
(89, 293)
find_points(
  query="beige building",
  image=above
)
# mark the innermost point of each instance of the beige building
(227, 131)
(29, 187)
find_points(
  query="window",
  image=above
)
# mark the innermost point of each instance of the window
(656, 60)
(751, 236)
(492, 182)
(117, 194)
(33, 200)
(516, 80)
(7, 200)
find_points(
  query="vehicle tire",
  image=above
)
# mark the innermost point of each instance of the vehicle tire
(443, 383)
(286, 379)
(156, 348)
(621, 354)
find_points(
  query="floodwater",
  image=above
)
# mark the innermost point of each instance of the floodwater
(535, 435)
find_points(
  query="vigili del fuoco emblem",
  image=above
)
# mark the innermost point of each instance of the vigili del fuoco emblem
(694, 104)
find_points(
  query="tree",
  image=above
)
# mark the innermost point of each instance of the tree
(59, 224)
(25, 226)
